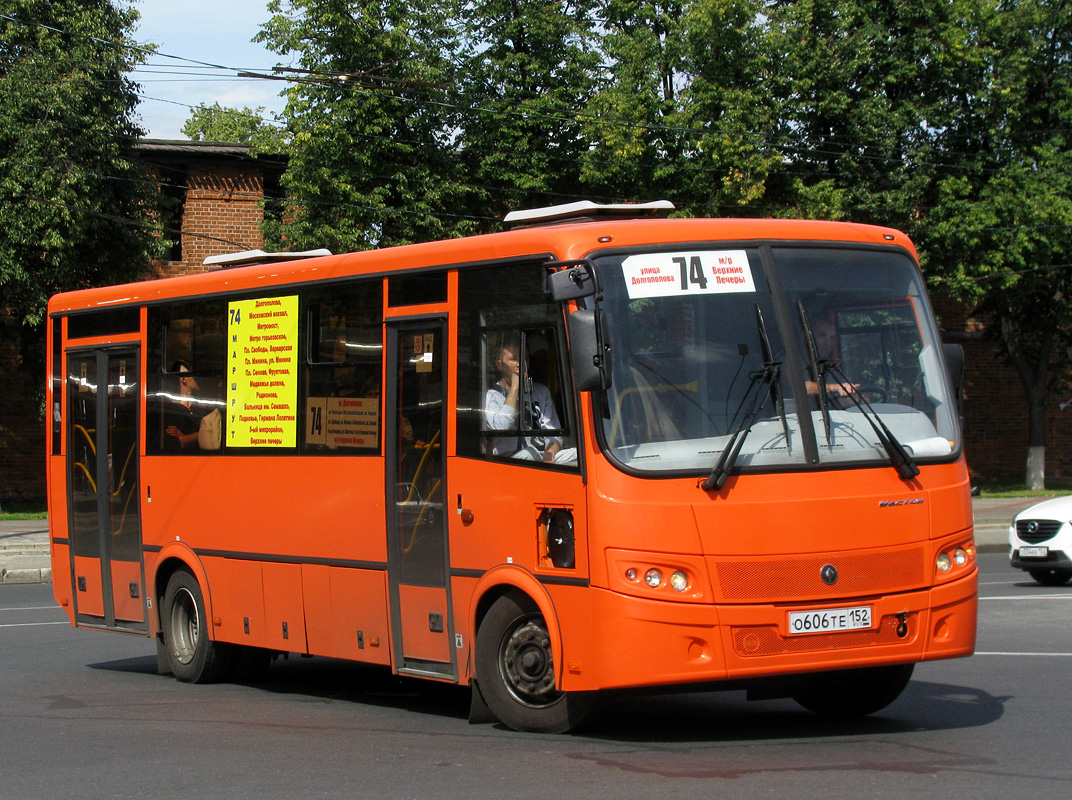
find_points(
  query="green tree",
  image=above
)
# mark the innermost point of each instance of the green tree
(245, 125)
(527, 72)
(74, 208)
(635, 149)
(857, 85)
(370, 157)
(727, 110)
(1000, 234)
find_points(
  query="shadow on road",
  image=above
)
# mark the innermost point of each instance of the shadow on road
(696, 717)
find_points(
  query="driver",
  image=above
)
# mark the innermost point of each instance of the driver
(503, 410)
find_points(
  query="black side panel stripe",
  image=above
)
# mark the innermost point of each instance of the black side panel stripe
(278, 559)
(548, 580)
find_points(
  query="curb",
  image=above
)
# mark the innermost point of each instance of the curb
(43, 575)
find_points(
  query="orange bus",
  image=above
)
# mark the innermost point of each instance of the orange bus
(600, 450)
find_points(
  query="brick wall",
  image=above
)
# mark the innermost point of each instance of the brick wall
(22, 429)
(222, 213)
(995, 405)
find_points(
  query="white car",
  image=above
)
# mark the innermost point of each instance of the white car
(1040, 541)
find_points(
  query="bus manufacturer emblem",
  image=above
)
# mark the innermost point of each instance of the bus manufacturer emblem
(829, 574)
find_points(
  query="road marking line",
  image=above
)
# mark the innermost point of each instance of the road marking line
(1058, 655)
(1030, 597)
(31, 608)
(31, 624)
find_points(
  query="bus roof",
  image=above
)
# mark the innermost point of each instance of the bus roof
(563, 241)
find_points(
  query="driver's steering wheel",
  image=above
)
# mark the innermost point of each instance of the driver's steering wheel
(873, 394)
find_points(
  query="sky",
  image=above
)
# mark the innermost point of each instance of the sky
(211, 31)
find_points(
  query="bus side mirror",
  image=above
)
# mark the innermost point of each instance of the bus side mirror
(573, 283)
(589, 354)
(954, 364)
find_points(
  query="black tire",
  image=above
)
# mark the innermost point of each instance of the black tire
(853, 692)
(1051, 577)
(193, 656)
(516, 674)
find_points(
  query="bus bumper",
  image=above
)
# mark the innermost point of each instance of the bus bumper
(649, 643)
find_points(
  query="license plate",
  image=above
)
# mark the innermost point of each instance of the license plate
(829, 620)
(1034, 552)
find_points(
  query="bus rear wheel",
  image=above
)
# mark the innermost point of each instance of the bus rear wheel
(193, 656)
(516, 672)
(853, 692)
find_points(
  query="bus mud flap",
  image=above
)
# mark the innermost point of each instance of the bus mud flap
(479, 713)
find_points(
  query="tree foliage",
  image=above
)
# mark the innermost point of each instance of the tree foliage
(526, 72)
(244, 125)
(370, 162)
(1000, 233)
(74, 204)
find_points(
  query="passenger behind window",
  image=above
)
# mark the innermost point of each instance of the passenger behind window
(507, 408)
(181, 416)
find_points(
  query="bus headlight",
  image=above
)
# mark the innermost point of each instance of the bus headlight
(944, 563)
(659, 576)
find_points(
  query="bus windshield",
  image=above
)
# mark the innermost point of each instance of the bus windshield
(716, 349)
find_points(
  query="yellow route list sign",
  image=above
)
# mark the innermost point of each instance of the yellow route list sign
(262, 372)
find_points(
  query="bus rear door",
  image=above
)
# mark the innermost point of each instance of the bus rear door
(105, 519)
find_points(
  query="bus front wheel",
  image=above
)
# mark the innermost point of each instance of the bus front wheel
(516, 672)
(853, 692)
(193, 656)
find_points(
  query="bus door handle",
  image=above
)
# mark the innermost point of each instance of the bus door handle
(465, 513)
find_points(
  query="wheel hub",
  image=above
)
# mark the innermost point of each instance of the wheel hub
(527, 664)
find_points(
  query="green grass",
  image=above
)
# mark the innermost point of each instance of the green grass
(1055, 487)
(13, 510)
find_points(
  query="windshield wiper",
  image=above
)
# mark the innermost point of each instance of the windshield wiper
(763, 386)
(817, 368)
(899, 457)
(768, 358)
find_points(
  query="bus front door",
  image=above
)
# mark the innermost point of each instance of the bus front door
(415, 415)
(102, 480)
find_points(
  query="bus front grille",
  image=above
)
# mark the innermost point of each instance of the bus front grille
(800, 577)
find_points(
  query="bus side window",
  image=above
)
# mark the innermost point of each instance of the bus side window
(187, 353)
(342, 369)
(515, 400)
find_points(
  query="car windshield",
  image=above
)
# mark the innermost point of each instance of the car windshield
(716, 349)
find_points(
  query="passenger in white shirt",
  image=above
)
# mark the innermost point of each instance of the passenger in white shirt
(501, 413)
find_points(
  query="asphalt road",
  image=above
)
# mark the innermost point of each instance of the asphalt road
(85, 714)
